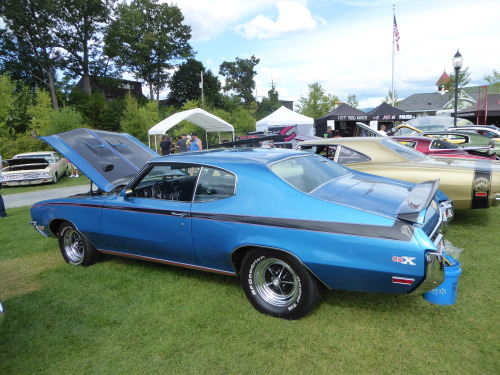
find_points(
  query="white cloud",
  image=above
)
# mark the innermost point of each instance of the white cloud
(208, 18)
(292, 17)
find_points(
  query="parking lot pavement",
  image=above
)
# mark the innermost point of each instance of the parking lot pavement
(28, 199)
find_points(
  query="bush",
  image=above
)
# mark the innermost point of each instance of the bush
(64, 120)
(25, 143)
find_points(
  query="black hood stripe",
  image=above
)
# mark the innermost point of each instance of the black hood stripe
(399, 231)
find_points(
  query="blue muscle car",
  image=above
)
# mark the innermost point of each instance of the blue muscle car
(284, 221)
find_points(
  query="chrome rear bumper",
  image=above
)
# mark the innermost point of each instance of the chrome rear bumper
(434, 269)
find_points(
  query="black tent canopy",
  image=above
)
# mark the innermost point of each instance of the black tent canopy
(386, 112)
(344, 116)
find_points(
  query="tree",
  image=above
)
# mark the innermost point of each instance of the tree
(40, 113)
(64, 120)
(184, 85)
(137, 120)
(268, 104)
(239, 77)
(493, 78)
(32, 41)
(79, 26)
(147, 38)
(389, 99)
(7, 88)
(317, 103)
(352, 101)
(463, 80)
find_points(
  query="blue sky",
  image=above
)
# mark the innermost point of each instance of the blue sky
(346, 45)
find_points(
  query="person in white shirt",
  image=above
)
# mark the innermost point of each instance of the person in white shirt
(381, 130)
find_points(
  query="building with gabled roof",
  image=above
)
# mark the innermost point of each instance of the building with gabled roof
(443, 81)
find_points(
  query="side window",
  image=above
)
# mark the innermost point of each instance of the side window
(175, 182)
(214, 184)
(346, 156)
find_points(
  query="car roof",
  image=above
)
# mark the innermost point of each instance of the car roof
(373, 147)
(109, 159)
(225, 156)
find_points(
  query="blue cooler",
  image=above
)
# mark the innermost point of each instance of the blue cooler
(446, 293)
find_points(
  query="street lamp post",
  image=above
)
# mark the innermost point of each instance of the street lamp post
(457, 64)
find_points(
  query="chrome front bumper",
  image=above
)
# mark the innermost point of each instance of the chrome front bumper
(39, 228)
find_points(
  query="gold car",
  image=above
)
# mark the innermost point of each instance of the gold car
(470, 183)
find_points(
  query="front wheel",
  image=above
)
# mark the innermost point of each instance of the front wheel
(54, 179)
(277, 284)
(75, 248)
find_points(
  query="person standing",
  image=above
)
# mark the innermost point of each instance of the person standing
(165, 145)
(182, 143)
(195, 143)
(3, 213)
(381, 130)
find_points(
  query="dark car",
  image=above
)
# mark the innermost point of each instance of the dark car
(441, 147)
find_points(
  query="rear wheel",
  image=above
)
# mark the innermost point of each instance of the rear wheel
(277, 284)
(75, 248)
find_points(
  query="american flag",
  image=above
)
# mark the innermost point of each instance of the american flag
(396, 33)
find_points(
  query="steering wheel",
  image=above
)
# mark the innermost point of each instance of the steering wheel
(164, 190)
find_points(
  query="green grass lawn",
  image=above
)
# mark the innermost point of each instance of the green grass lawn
(62, 182)
(124, 316)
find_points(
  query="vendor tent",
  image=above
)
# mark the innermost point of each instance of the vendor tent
(385, 112)
(342, 118)
(197, 116)
(283, 117)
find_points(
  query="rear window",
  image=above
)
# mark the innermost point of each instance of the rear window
(404, 151)
(306, 173)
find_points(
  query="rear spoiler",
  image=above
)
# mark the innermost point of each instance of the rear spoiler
(413, 208)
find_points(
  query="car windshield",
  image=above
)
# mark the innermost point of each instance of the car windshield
(306, 173)
(402, 150)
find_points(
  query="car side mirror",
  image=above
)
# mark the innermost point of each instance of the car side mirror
(126, 193)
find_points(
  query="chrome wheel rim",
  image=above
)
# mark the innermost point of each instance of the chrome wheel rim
(73, 246)
(276, 282)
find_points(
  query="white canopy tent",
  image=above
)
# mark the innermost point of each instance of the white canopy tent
(197, 116)
(285, 117)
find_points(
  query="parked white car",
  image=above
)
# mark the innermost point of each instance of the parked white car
(33, 168)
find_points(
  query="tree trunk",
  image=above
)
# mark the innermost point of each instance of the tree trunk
(151, 91)
(86, 83)
(86, 75)
(52, 90)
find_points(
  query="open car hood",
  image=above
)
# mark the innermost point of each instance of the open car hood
(106, 158)
(24, 161)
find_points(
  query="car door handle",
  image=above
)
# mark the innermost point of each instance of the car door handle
(180, 214)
